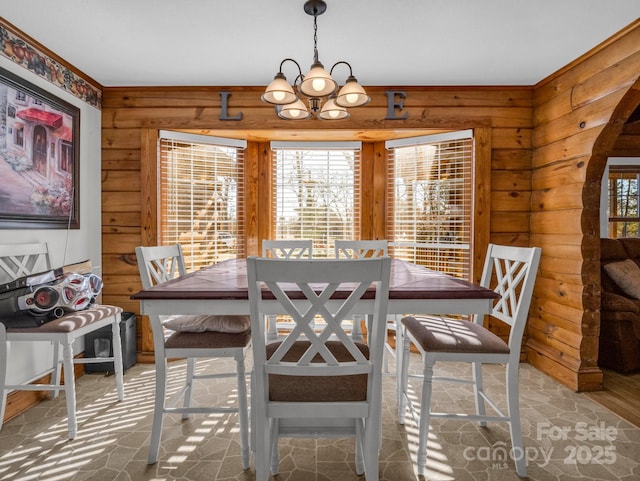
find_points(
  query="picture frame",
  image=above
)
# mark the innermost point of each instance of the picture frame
(39, 157)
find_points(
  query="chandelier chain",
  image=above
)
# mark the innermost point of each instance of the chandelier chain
(315, 39)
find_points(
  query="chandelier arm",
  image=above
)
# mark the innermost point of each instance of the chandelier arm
(342, 62)
(297, 65)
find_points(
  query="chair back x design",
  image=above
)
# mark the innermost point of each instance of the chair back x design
(160, 264)
(23, 260)
(511, 272)
(284, 249)
(310, 378)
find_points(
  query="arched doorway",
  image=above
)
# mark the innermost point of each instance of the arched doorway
(621, 137)
(39, 150)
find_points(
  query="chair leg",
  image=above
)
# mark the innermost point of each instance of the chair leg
(385, 359)
(188, 389)
(513, 405)
(390, 351)
(371, 448)
(272, 329)
(360, 442)
(252, 416)
(56, 375)
(3, 372)
(243, 410)
(274, 450)
(356, 330)
(425, 413)
(158, 408)
(118, 368)
(70, 388)
(478, 389)
(402, 371)
(262, 447)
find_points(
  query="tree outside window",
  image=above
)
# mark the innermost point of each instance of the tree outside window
(624, 217)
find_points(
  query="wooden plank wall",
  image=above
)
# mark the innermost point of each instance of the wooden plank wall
(503, 115)
(578, 114)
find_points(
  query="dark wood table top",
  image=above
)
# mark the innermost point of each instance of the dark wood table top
(228, 280)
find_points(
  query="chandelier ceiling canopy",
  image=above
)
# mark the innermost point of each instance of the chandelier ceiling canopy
(318, 86)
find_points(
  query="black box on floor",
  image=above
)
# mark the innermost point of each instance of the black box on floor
(98, 344)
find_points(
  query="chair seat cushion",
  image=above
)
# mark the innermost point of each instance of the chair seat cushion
(437, 334)
(207, 340)
(317, 388)
(73, 320)
(202, 323)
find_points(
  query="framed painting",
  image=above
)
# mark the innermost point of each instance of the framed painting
(39, 157)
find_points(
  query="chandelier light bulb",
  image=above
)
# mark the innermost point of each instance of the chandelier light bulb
(294, 111)
(318, 84)
(278, 96)
(351, 98)
(332, 111)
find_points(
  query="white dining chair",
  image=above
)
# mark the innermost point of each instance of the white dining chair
(511, 272)
(24, 260)
(192, 337)
(309, 383)
(284, 249)
(362, 249)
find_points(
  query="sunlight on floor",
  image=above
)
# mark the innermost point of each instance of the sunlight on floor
(48, 454)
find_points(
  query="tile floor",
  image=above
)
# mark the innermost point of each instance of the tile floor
(567, 436)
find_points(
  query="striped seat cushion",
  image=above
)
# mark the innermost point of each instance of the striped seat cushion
(437, 334)
(73, 320)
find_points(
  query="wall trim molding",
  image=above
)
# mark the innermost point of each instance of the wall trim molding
(35, 57)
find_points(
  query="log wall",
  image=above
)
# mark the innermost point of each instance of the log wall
(578, 115)
(131, 118)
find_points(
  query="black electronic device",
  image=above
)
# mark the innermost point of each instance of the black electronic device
(98, 344)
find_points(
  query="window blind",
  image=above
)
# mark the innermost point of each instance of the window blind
(316, 192)
(430, 199)
(201, 197)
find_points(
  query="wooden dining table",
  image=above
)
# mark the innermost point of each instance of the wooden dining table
(222, 289)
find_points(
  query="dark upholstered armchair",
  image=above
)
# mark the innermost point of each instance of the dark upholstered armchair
(619, 312)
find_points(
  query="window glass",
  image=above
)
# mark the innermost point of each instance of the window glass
(201, 198)
(430, 202)
(623, 201)
(316, 195)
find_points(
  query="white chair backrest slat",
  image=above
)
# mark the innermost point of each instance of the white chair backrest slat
(288, 249)
(360, 249)
(159, 264)
(511, 272)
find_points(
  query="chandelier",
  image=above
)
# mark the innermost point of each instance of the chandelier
(318, 86)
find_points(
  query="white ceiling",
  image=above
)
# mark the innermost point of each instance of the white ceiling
(388, 42)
